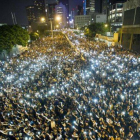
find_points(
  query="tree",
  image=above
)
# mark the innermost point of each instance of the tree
(11, 35)
(95, 28)
(77, 33)
(34, 36)
(47, 33)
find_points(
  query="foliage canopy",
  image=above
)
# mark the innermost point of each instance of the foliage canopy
(95, 28)
(11, 35)
(34, 36)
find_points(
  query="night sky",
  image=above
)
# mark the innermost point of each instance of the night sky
(74, 3)
(18, 7)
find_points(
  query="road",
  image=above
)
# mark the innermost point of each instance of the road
(85, 91)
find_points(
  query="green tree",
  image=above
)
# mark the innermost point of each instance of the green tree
(34, 36)
(77, 33)
(47, 33)
(11, 35)
(95, 28)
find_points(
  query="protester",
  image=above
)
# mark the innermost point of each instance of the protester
(86, 91)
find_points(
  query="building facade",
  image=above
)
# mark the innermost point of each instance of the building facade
(30, 14)
(104, 6)
(79, 10)
(36, 12)
(39, 7)
(116, 16)
(82, 20)
(101, 18)
(50, 9)
(88, 7)
(98, 6)
(130, 32)
(66, 3)
(84, 7)
(61, 11)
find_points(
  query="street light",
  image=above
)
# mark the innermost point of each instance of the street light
(42, 19)
(106, 25)
(58, 18)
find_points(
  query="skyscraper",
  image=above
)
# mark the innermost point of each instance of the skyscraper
(30, 14)
(115, 16)
(79, 10)
(101, 6)
(89, 7)
(98, 6)
(92, 6)
(39, 7)
(61, 11)
(66, 3)
(104, 6)
(50, 8)
(84, 7)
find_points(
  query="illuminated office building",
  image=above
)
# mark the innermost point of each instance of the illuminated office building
(88, 7)
(30, 14)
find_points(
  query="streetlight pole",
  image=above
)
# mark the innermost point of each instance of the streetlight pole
(58, 19)
(51, 28)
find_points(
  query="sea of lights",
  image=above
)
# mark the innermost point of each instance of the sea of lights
(102, 72)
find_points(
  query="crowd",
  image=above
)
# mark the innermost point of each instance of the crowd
(55, 91)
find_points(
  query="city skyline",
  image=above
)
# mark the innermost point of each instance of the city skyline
(19, 8)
